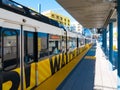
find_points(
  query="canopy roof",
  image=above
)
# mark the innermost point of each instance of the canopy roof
(90, 13)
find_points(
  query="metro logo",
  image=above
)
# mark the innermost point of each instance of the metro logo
(11, 80)
(14, 79)
(57, 62)
(54, 65)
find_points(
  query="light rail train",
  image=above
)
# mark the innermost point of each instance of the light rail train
(33, 47)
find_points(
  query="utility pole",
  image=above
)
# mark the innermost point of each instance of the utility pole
(39, 8)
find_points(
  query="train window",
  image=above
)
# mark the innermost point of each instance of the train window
(29, 47)
(72, 44)
(54, 44)
(10, 48)
(82, 41)
(42, 45)
(63, 45)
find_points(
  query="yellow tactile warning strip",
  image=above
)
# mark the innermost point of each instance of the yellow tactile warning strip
(54, 81)
(90, 57)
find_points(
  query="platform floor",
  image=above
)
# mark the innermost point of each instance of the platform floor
(93, 72)
(105, 77)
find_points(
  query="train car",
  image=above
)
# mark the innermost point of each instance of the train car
(32, 47)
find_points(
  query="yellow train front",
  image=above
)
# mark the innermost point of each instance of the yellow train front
(32, 47)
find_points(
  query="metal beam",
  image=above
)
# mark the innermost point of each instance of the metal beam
(109, 16)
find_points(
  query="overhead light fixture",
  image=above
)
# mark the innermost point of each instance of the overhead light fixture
(109, 0)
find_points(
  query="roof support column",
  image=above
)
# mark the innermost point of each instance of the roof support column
(118, 18)
(105, 40)
(111, 43)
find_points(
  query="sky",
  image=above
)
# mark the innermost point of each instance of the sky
(45, 6)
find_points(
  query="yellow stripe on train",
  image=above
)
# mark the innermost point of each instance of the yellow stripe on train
(44, 71)
(31, 77)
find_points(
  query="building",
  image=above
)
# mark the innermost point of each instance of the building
(75, 26)
(58, 17)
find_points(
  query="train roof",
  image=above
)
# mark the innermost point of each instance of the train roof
(25, 11)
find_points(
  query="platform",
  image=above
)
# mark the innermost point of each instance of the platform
(105, 78)
(91, 73)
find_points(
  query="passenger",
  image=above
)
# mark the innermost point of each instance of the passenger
(72, 46)
(55, 51)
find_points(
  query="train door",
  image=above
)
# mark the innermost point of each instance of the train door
(29, 57)
(9, 56)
